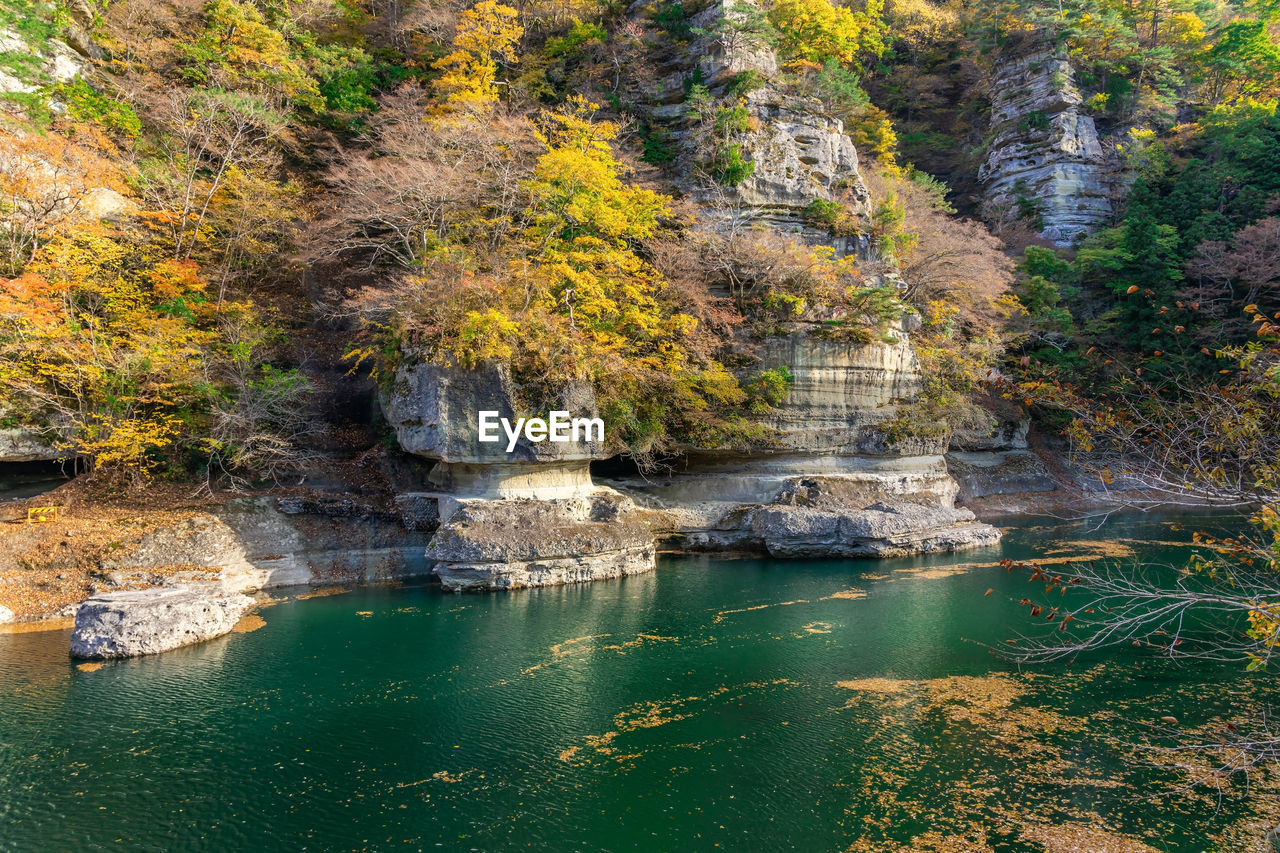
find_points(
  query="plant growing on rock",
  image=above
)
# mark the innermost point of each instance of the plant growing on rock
(718, 131)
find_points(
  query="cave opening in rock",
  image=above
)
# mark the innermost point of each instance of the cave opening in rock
(621, 465)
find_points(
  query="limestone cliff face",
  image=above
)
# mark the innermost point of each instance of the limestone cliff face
(511, 544)
(832, 483)
(841, 392)
(799, 155)
(798, 152)
(1045, 153)
(22, 445)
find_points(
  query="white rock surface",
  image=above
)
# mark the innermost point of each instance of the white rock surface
(880, 530)
(839, 389)
(201, 542)
(6, 615)
(144, 622)
(1044, 147)
(21, 445)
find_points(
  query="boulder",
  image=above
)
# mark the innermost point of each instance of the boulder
(435, 410)
(144, 622)
(6, 615)
(1006, 434)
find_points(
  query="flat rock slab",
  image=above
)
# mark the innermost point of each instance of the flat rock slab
(513, 544)
(880, 530)
(1009, 472)
(145, 622)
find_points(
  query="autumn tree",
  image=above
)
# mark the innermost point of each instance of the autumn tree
(816, 30)
(416, 187)
(239, 51)
(488, 33)
(202, 138)
(1223, 278)
(118, 354)
(48, 183)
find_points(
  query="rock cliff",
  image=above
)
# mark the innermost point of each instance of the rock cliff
(22, 445)
(509, 544)
(1045, 160)
(434, 410)
(830, 483)
(833, 483)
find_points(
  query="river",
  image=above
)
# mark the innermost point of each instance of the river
(733, 704)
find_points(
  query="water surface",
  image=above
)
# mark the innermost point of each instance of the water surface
(744, 704)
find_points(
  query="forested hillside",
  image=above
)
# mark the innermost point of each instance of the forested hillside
(201, 199)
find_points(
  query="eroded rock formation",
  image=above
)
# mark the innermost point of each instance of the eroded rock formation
(21, 445)
(509, 544)
(998, 462)
(531, 517)
(831, 481)
(835, 484)
(261, 543)
(1045, 160)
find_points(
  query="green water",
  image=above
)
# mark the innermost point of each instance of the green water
(694, 707)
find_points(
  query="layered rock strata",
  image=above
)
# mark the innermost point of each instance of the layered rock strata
(507, 520)
(798, 152)
(261, 543)
(999, 472)
(997, 462)
(511, 544)
(1045, 158)
(835, 485)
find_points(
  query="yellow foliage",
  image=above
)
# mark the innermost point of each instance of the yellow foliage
(237, 43)
(111, 346)
(487, 33)
(815, 30)
(47, 183)
(486, 336)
